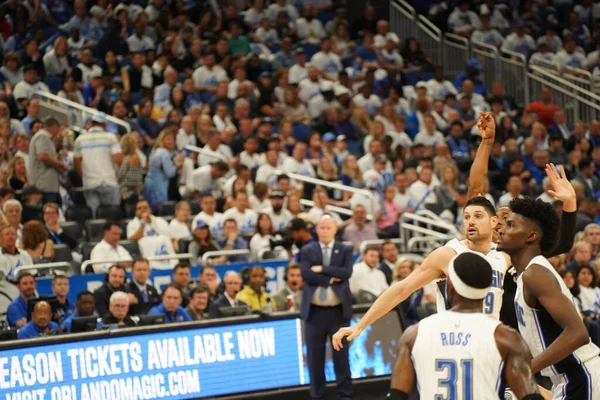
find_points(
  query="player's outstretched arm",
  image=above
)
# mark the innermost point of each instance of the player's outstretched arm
(564, 191)
(517, 360)
(479, 169)
(434, 266)
(403, 375)
(541, 284)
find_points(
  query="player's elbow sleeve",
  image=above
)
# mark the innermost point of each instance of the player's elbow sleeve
(535, 396)
(395, 394)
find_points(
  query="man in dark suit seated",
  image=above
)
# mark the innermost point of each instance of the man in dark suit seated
(326, 306)
(114, 281)
(233, 284)
(290, 297)
(118, 309)
(145, 296)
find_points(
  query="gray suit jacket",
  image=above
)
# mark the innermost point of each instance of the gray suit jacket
(280, 299)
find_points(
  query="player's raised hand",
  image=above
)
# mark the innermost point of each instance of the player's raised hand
(351, 331)
(486, 125)
(561, 187)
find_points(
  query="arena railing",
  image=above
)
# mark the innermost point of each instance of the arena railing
(329, 207)
(203, 152)
(167, 257)
(425, 244)
(217, 253)
(378, 242)
(489, 58)
(456, 53)
(85, 111)
(63, 265)
(513, 73)
(430, 37)
(403, 19)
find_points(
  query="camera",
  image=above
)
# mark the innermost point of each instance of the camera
(285, 243)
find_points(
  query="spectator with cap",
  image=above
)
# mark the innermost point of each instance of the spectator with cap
(280, 217)
(145, 295)
(118, 310)
(84, 307)
(298, 71)
(473, 70)
(11, 257)
(25, 89)
(170, 307)
(109, 248)
(16, 313)
(44, 165)
(202, 242)
(41, 322)
(95, 154)
(198, 307)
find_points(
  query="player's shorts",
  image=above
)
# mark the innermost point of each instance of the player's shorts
(581, 385)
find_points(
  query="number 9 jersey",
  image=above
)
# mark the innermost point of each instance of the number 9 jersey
(492, 303)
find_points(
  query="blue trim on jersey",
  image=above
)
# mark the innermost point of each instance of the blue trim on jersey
(499, 380)
(541, 335)
(564, 389)
(588, 378)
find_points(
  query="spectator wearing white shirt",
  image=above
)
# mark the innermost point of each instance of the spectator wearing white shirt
(513, 187)
(322, 102)
(366, 276)
(519, 41)
(255, 14)
(138, 41)
(366, 162)
(280, 217)
(25, 89)
(279, 6)
(179, 226)
(266, 34)
(429, 136)
(421, 192)
(553, 41)
(298, 71)
(260, 243)
(327, 61)
(145, 224)
(213, 149)
(243, 215)
(11, 257)
(94, 157)
(85, 69)
(205, 179)
(266, 172)
(367, 100)
(249, 157)
(486, 34)
(570, 57)
(477, 100)
(239, 80)
(309, 86)
(221, 119)
(209, 75)
(298, 164)
(463, 21)
(544, 57)
(186, 136)
(210, 216)
(402, 195)
(109, 248)
(384, 34)
(308, 28)
(389, 57)
(321, 200)
(259, 200)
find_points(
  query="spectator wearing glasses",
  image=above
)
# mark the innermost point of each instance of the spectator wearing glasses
(51, 216)
(118, 310)
(171, 305)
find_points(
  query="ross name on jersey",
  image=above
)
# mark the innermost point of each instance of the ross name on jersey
(455, 338)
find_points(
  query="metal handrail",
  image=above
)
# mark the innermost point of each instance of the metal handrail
(120, 260)
(62, 264)
(428, 214)
(425, 220)
(204, 152)
(85, 109)
(217, 253)
(371, 242)
(323, 183)
(513, 54)
(427, 25)
(560, 88)
(459, 40)
(432, 242)
(484, 46)
(426, 232)
(562, 81)
(339, 210)
(404, 8)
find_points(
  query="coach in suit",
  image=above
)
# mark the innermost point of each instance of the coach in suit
(233, 284)
(146, 296)
(326, 306)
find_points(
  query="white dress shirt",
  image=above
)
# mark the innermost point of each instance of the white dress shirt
(369, 279)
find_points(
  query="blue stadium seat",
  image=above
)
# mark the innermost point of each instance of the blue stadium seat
(310, 49)
(54, 83)
(301, 132)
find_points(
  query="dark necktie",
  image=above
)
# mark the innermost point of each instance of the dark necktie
(144, 295)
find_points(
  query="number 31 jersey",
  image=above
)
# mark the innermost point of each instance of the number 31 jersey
(493, 300)
(455, 357)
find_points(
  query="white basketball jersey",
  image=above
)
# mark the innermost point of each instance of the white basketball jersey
(455, 356)
(493, 300)
(539, 330)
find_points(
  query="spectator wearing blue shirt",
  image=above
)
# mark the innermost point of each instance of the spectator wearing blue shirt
(459, 147)
(232, 241)
(16, 313)
(88, 28)
(60, 288)
(172, 297)
(41, 322)
(162, 94)
(60, 10)
(83, 308)
(472, 72)
(285, 57)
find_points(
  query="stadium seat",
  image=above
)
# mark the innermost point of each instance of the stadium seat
(62, 252)
(184, 244)
(129, 210)
(166, 208)
(111, 213)
(124, 228)
(72, 229)
(94, 229)
(131, 246)
(54, 83)
(195, 205)
(79, 213)
(86, 249)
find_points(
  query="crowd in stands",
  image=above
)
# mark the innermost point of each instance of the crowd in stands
(227, 102)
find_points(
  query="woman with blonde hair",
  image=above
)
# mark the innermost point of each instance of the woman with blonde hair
(378, 132)
(36, 242)
(17, 173)
(538, 134)
(130, 173)
(360, 118)
(56, 61)
(350, 174)
(163, 165)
